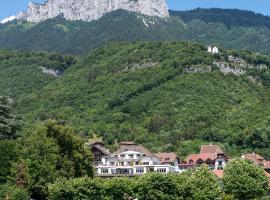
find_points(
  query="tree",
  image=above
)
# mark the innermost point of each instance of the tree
(76, 189)
(8, 155)
(8, 122)
(118, 188)
(244, 180)
(48, 152)
(75, 158)
(157, 186)
(40, 156)
(204, 185)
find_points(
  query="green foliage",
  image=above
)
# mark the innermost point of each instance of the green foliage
(75, 159)
(151, 186)
(225, 16)
(41, 155)
(245, 180)
(118, 188)
(150, 93)
(49, 152)
(157, 186)
(21, 72)
(8, 155)
(76, 189)
(8, 192)
(204, 185)
(9, 125)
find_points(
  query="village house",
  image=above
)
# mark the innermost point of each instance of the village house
(134, 160)
(258, 160)
(210, 155)
(98, 150)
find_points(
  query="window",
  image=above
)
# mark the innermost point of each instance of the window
(191, 162)
(131, 156)
(220, 163)
(162, 170)
(112, 163)
(167, 159)
(139, 170)
(122, 155)
(145, 163)
(138, 155)
(137, 163)
(104, 171)
(122, 163)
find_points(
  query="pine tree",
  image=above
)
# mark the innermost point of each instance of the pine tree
(8, 122)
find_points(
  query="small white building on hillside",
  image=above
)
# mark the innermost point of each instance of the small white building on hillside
(213, 50)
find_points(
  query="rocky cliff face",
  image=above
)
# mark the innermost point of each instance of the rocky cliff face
(88, 10)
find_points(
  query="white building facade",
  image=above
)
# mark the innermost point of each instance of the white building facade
(132, 160)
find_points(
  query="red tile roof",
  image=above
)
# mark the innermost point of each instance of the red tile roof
(257, 159)
(210, 149)
(166, 157)
(201, 156)
(218, 173)
(267, 174)
(266, 164)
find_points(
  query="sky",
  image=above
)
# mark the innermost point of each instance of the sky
(12, 7)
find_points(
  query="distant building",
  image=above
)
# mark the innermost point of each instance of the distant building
(210, 155)
(213, 50)
(168, 159)
(134, 160)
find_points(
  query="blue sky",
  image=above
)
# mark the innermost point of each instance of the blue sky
(11, 7)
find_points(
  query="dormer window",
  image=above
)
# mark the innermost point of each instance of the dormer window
(190, 162)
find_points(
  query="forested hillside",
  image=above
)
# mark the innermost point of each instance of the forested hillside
(223, 27)
(78, 37)
(21, 72)
(168, 96)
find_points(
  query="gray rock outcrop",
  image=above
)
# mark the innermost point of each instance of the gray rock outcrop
(89, 10)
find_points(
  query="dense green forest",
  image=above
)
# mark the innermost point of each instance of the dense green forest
(21, 72)
(78, 37)
(225, 27)
(167, 96)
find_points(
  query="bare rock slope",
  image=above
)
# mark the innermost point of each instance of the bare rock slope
(89, 10)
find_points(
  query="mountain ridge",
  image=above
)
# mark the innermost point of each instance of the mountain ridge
(202, 26)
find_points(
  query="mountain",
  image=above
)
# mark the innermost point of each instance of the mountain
(167, 96)
(224, 27)
(87, 10)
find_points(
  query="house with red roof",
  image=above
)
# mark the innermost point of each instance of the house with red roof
(211, 155)
(258, 160)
